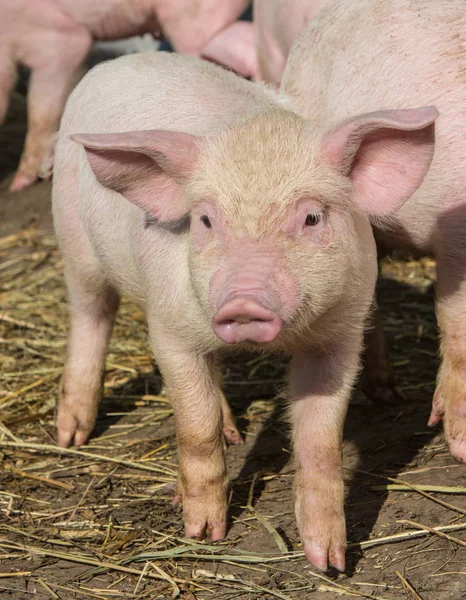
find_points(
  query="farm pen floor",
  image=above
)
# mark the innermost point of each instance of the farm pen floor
(97, 523)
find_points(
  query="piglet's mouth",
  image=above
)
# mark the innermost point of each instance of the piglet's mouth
(245, 319)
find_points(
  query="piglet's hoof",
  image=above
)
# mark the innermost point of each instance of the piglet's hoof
(203, 516)
(21, 181)
(75, 421)
(455, 436)
(232, 435)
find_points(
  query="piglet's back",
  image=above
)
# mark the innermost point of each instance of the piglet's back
(133, 92)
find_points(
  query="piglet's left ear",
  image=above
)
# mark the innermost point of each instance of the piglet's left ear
(386, 155)
(146, 167)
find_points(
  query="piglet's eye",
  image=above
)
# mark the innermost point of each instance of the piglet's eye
(205, 219)
(312, 219)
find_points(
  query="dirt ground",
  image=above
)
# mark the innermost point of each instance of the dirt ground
(98, 523)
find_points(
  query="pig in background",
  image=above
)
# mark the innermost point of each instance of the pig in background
(53, 37)
(277, 24)
(13, 129)
(229, 218)
(371, 54)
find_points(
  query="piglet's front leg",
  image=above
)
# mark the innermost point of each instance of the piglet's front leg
(321, 387)
(192, 384)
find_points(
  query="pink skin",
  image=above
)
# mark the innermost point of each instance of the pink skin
(81, 383)
(235, 49)
(320, 386)
(449, 404)
(277, 25)
(256, 272)
(299, 252)
(253, 292)
(198, 415)
(53, 37)
(63, 45)
(230, 431)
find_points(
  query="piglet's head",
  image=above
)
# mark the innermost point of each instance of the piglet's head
(279, 211)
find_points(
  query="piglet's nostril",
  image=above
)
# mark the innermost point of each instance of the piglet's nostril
(241, 320)
(244, 320)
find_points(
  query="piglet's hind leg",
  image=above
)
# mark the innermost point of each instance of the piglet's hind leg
(449, 401)
(7, 81)
(321, 386)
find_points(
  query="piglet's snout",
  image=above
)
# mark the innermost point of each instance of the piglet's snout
(243, 319)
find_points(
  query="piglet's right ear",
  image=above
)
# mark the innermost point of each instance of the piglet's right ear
(146, 167)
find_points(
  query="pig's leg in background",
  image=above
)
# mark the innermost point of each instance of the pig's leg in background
(53, 77)
(377, 379)
(321, 388)
(230, 431)
(93, 306)
(449, 401)
(7, 82)
(192, 383)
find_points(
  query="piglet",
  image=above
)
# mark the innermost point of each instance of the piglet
(234, 223)
(53, 37)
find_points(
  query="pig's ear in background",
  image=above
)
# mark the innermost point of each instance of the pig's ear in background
(146, 167)
(386, 155)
